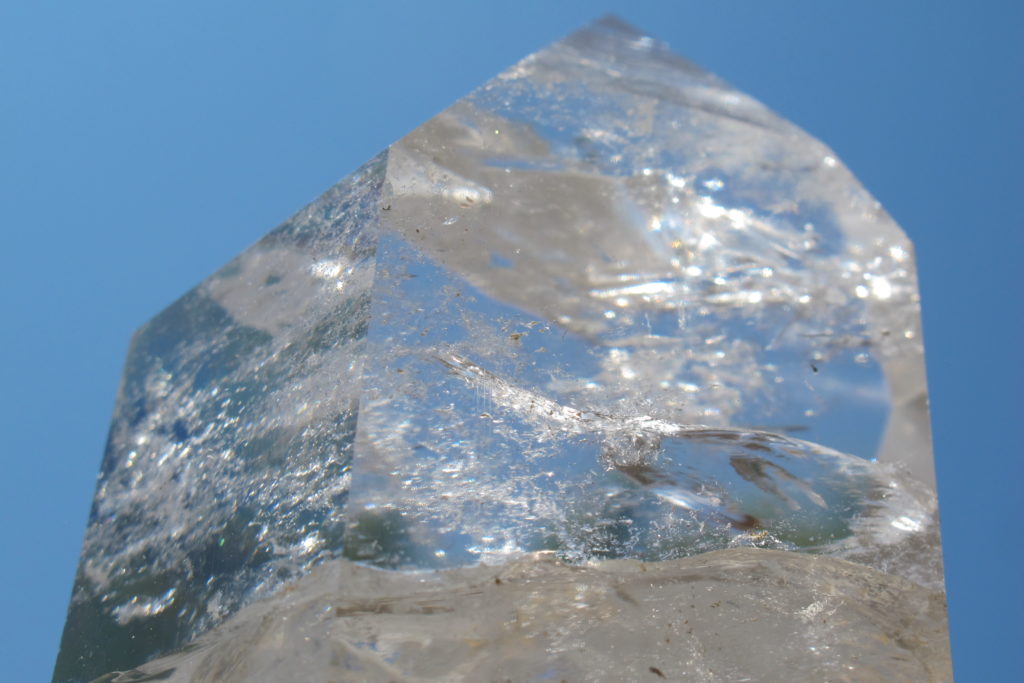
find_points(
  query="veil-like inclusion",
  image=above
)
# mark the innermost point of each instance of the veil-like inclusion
(605, 306)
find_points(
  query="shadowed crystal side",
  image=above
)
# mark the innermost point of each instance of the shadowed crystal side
(228, 461)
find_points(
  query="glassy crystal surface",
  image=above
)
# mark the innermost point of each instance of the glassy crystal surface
(604, 316)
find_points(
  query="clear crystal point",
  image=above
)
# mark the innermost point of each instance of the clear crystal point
(604, 309)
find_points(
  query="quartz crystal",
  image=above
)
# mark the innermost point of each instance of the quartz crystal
(606, 372)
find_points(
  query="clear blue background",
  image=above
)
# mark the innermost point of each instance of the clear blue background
(143, 144)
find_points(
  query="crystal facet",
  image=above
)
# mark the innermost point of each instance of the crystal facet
(603, 308)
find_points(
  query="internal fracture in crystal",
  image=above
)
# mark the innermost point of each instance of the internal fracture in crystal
(604, 307)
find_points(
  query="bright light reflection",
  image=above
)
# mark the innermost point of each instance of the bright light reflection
(881, 288)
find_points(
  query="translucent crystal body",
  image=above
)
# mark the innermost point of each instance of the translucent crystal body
(604, 307)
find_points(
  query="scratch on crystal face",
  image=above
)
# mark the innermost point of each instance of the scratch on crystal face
(547, 412)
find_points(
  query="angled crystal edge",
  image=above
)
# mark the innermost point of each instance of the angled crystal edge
(605, 306)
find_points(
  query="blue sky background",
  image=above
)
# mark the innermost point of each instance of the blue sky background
(142, 145)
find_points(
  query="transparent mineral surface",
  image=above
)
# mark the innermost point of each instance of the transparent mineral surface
(603, 319)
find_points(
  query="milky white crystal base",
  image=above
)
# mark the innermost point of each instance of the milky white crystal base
(728, 615)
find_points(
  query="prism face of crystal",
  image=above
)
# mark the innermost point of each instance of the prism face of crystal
(605, 306)
(227, 464)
